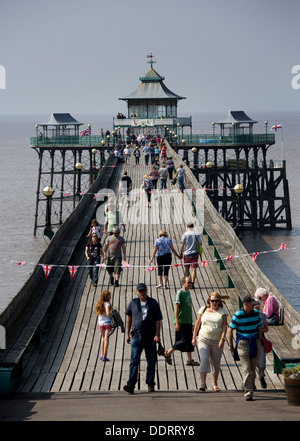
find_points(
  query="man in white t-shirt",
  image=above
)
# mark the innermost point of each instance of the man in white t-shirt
(189, 251)
(127, 154)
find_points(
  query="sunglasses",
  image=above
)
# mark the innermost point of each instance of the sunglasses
(215, 301)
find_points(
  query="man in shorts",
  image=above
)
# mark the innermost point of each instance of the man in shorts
(189, 251)
(113, 249)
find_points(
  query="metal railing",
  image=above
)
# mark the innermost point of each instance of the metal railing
(94, 140)
(200, 139)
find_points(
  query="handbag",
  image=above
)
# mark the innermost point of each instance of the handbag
(160, 350)
(267, 344)
(173, 182)
(199, 249)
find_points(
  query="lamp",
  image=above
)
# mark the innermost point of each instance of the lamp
(48, 192)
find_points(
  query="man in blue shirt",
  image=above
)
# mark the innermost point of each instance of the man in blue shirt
(247, 323)
(143, 324)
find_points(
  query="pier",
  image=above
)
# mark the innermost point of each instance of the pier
(53, 346)
(51, 343)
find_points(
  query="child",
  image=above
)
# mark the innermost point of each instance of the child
(103, 310)
(95, 228)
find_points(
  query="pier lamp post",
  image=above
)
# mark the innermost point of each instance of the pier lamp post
(266, 125)
(78, 167)
(102, 152)
(213, 124)
(108, 138)
(114, 138)
(239, 189)
(48, 192)
(90, 130)
(195, 152)
(209, 165)
(185, 153)
(176, 143)
(94, 151)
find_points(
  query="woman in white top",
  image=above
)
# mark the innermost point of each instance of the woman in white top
(103, 310)
(212, 322)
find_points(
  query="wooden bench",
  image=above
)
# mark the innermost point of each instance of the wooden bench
(25, 328)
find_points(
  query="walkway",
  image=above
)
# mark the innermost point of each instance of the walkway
(67, 357)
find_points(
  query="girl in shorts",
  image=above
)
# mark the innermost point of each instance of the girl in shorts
(103, 310)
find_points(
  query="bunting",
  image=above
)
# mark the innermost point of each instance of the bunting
(149, 268)
(73, 270)
(47, 269)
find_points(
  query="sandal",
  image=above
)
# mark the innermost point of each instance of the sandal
(168, 358)
(192, 363)
(215, 388)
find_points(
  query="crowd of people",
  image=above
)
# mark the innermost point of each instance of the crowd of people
(143, 314)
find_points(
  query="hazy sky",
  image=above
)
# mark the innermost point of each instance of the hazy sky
(81, 56)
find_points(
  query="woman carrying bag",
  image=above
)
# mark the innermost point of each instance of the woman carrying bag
(211, 324)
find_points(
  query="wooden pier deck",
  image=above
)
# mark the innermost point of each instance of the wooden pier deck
(66, 358)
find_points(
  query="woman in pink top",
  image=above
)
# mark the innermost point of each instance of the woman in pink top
(270, 305)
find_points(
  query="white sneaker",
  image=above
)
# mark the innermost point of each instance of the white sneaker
(159, 286)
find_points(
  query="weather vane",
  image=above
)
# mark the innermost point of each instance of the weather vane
(151, 60)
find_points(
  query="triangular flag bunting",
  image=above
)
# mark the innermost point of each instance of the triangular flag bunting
(47, 269)
(73, 270)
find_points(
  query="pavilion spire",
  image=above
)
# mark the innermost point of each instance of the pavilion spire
(151, 62)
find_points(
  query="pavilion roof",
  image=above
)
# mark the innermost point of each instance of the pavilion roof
(152, 87)
(237, 117)
(61, 119)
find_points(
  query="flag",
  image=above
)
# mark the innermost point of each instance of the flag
(101, 265)
(276, 127)
(47, 269)
(204, 263)
(150, 268)
(229, 258)
(254, 256)
(20, 263)
(282, 247)
(85, 132)
(125, 264)
(73, 270)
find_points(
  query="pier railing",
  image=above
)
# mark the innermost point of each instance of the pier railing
(195, 139)
(89, 140)
(200, 139)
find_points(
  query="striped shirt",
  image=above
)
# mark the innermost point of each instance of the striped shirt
(246, 324)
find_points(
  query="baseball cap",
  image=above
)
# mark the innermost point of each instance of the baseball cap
(251, 300)
(141, 287)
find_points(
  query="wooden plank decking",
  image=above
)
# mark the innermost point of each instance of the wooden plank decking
(67, 356)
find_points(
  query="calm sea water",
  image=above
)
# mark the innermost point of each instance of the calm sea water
(19, 171)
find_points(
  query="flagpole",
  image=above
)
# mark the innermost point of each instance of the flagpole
(281, 145)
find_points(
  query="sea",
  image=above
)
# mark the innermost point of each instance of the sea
(20, 250)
